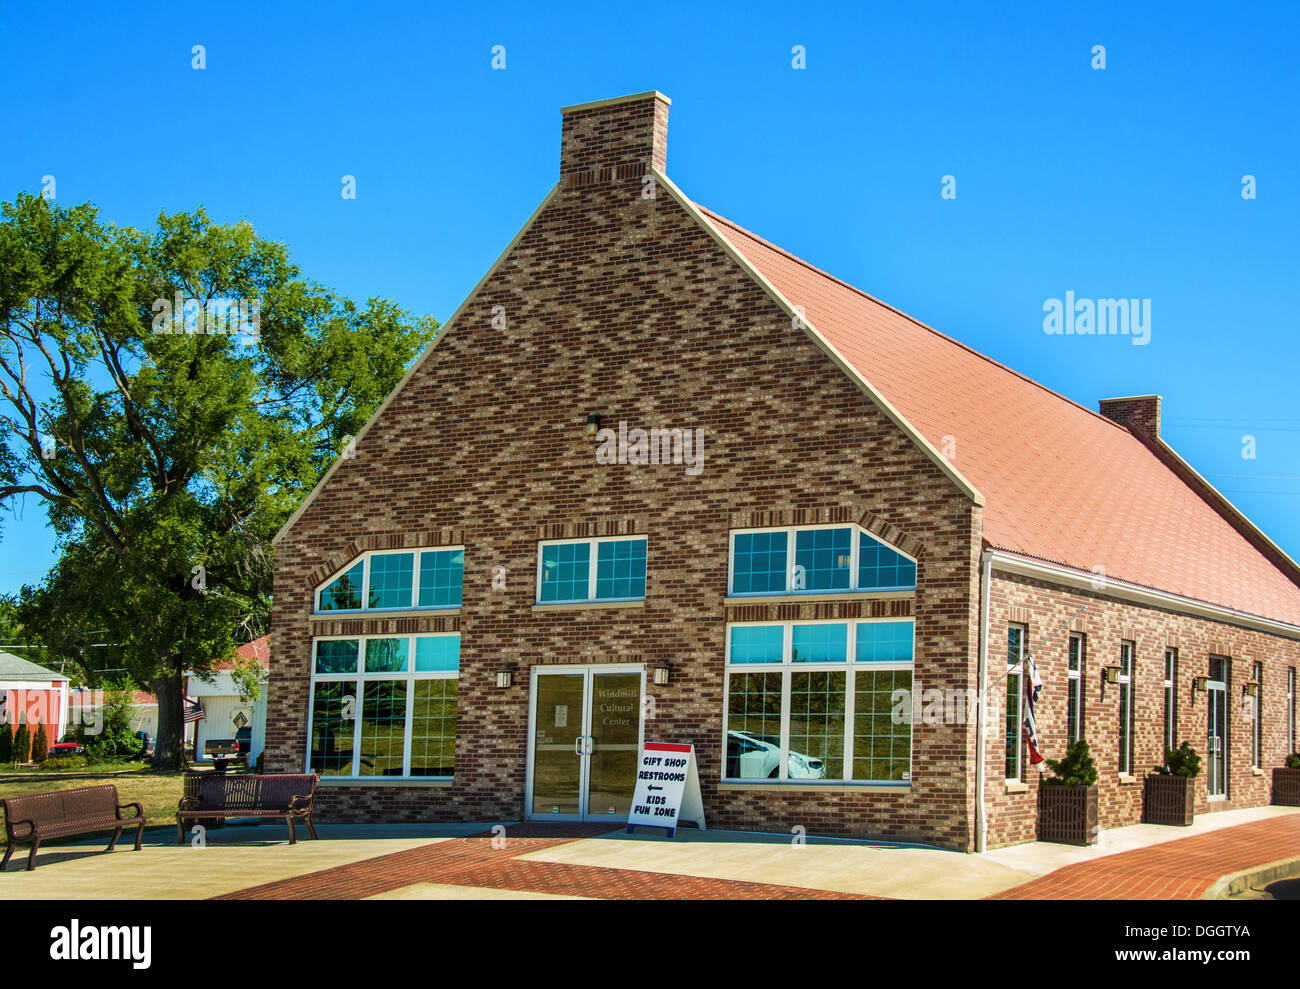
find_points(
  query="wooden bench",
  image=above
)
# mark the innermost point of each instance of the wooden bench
(222, 795)
(32, 819)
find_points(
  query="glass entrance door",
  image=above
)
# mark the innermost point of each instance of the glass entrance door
(585, 737)
(1216, 780)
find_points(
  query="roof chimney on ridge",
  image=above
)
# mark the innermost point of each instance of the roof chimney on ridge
(614, 139)
(1138, 413)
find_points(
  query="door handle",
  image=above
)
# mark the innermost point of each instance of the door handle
(591, 744)
(577, 745)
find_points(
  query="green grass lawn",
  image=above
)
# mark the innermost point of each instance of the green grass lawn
(157, 791)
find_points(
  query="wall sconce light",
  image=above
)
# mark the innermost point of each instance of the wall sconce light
(593, 424)
(1251, 688)
(1112, 674)
(661, 675)
(504, 678)
(1201, 683)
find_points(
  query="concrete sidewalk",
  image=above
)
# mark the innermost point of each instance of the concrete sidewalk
(540, 861)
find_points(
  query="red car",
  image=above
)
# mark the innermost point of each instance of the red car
(66, 748)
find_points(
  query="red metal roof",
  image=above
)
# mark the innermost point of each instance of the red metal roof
(1061, 482)
(258, 649)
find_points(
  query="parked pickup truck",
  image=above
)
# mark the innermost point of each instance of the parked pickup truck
(223, 751)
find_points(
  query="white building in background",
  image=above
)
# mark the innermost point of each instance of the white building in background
(224, 710)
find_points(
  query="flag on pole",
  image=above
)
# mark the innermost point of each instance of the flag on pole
(193, 711)
(1033, 687)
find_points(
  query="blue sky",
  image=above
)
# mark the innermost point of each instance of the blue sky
(1122, 182)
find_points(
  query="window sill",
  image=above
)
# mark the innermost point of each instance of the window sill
(1127, 779)
(1016, 786)
(382, 781)
(588, 605)
(318, 616)
(802, 787)
(1256, 771)
(819, 596)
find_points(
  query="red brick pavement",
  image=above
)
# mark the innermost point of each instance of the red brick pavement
(474, 862)
(1182, 869)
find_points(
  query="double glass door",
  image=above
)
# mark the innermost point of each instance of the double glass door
(1216, 741)
(584, 742)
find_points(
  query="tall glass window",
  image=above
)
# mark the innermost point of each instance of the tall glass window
(1074, 714)
(1126, 707)
(376, 713)
(819, 701)
(1290, 711)
(1171, 699)
(1015, 732)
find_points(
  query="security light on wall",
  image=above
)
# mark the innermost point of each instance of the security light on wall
(661, 675)
(504, 678)
(1201, 683)
(1251, 688)
(1112, 674)
(593, 424)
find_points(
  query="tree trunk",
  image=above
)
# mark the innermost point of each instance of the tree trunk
(168, 751)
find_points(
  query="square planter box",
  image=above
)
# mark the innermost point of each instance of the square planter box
(1168, 800)
(1067, 815)
(1286, 787)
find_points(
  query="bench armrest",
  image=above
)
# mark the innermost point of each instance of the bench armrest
(188, 803)
(301, 802)
(139, 811)
(15, 825)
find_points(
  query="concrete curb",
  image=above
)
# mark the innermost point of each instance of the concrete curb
(1238, 882)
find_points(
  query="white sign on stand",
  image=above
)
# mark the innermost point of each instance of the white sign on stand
(667, 788)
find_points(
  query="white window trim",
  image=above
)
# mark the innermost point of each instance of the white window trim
(1128, 751)
(1290, 711)
(409, 677)
(1171, 698)
(785, 668)
(1257, 729)
(1017, 669)
(364, 558)
(593, 558)
(791, 531)
(1074, 683)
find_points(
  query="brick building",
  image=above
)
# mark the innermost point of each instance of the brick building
(659, 479)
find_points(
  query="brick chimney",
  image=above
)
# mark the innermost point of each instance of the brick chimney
(1139, 413)
(614, 139)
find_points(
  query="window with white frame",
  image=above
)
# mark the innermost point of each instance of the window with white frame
(1257, 712)
(820, 701)
(815, 559)
(1171, 699)
(397, 581)
(1290, 711)
(574, 571)
(1074, 719)
(1126, 707)
(384, 706)
(1015, 732)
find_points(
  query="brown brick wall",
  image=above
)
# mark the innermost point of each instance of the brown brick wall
(623, 305)
(1108, 621)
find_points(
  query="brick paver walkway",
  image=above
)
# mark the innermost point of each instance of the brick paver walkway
(474, 862)
(1182, 869)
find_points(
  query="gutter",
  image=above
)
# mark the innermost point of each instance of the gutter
(981, 722)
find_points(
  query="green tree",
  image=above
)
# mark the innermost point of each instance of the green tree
(114, 737)
(165, 457)
(22, 749)
(40, 745)
(1076, 769)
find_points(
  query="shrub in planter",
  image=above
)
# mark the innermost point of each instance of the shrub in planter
(1168, 794)
(22, 745)
(40, 745)
(6, 743)
(1286, 782)
(1067, 800)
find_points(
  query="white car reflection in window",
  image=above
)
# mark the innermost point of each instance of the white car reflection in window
(751, 757)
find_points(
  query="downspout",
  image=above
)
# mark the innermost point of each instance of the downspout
(981, 723)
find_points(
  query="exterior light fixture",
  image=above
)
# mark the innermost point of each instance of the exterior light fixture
(1112, 674)
(504, 678)
(1251, 688)
(593, 424)
(1201, 683)
(661, 675)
